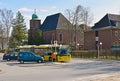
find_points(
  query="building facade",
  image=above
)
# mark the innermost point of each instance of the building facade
(105, 34)
(56, 28)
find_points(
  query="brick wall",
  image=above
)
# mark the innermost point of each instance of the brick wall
(116, 37)
(105, 36)
(67, 36)
(89, 40)
(108, 37)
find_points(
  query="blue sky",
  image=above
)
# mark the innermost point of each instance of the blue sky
(47, 7)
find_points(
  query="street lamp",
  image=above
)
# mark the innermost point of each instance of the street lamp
(98, 47)
(78, 45)
(101, 45)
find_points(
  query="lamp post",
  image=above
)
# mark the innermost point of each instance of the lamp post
(101, 45)
(78, 46)
(98, 50)
(98, 47)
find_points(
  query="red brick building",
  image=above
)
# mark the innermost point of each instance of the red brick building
(56, 28)
(105, 34)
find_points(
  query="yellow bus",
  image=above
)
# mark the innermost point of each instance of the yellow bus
(62, 51)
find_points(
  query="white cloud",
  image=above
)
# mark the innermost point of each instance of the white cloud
(47, 9)
(101, 11)
(44, 10)
(25, 9)
(28, 17)
(53, 7)
(41, 12)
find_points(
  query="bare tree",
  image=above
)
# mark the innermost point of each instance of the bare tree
(79, 15)
(2, 36)
(6, 18)
(69, 15)
(87, 17)
(75, 17)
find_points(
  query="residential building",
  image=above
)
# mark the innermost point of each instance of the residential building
(106, 32)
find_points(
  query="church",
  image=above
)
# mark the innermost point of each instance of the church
(55, 27)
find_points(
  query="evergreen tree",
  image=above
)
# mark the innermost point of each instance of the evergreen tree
(19, 32)
(37, 38)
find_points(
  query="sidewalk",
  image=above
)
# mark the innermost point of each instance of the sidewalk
(111, 77)
(115, 77)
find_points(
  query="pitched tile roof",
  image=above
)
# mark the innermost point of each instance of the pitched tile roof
(107, 20)
(53, 22)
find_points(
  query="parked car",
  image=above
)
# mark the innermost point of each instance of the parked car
(10, 56)
(29, 57)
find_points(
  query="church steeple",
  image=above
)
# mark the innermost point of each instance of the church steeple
(35, 11)
(34, 15)
(35, 24)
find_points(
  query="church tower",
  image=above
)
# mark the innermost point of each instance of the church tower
(35, 24)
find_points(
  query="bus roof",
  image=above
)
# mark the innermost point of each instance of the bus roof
(42, 46)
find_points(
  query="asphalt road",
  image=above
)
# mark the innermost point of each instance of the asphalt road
(72, 71)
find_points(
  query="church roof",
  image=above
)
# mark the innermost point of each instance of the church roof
(53, 22)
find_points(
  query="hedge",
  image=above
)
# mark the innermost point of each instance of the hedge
(93, 54)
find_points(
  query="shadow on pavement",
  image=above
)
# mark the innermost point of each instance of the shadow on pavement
(30, 64)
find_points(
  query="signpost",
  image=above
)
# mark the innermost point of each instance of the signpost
(98, 50)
